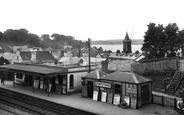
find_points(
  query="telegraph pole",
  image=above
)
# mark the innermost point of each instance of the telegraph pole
(89, 47)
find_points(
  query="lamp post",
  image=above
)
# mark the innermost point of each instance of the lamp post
(89, 47)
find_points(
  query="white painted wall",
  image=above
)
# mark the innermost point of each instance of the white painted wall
(77, 79)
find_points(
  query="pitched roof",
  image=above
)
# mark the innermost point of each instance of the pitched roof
(5, 48)
(26, 56)
(40, 56)
(126, 77)
(70, 60)
(44, 56)
(34, 68)
(95, 74)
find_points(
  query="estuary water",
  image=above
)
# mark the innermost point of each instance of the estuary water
(114, 48)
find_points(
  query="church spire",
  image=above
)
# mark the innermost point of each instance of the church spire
(127, 44)
(127, 37)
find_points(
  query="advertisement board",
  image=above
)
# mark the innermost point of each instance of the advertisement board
(104, 96)
(116, 99)
(95, 95)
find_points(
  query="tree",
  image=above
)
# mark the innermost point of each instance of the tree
(118, 52)
(181, 41)
(33, 40)
(1, 35)
(171, 31)
(154, 41)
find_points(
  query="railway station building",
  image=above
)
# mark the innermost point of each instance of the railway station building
(117, 87)
(61, 80)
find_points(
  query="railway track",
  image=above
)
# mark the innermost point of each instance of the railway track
(6, 111)
(27, 107)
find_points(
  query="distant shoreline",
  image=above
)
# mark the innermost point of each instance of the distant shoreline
(117, 42)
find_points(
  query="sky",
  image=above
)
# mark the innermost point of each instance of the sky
(94, 19)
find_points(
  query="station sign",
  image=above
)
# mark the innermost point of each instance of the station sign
(131, 90)
(101, 84)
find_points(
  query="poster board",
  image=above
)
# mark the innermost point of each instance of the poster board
(104, 96)
(41, 84)
(56, 80)
(34, 84)
(133, 103)
(50, 86)
(95, 95)
(109, 98)
(116, 99)
(127, 100)
(64, 89)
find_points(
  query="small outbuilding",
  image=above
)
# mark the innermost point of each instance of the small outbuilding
(118, 87)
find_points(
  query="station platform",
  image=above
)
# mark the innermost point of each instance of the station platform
(77, 101)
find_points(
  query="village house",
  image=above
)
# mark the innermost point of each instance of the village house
(35, 57)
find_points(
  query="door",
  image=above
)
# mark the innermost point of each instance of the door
(145, 93)
(90, 89)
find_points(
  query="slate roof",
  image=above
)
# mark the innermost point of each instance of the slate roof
(126, 77)
(93, 75)
(34, 68)
(40, 56)
(26, 56)
(44, 55)
(5, 48)
(70, 60)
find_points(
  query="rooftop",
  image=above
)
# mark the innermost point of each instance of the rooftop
(96, 74)
(126, 77)
(35, 68)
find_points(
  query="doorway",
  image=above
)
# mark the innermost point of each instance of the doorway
(145, 94)
(90, 89)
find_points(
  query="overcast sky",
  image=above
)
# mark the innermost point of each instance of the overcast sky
(95, 19)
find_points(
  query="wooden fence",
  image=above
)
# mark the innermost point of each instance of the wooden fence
(155, 66)
(164, 101)
(167, 101)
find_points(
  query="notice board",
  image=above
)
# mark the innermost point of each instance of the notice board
(104, 96)
(133, 103)
(127, 100)
(116, 99)
(95, 95)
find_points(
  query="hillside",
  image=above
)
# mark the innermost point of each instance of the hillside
(117, 42)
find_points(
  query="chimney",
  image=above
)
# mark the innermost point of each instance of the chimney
(33, 56)
(104, 65)
(62, 53)
(79, 53)
(97, 74)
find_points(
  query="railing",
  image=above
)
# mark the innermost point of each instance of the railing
(175, 74)
(181, 77)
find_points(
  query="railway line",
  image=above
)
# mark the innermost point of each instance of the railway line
(26, 106)
(7, 110)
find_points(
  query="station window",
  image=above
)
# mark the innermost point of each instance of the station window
(117, 88)
(71, 81)
(19, 76)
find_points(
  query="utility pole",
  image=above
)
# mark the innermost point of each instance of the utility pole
(89, 47)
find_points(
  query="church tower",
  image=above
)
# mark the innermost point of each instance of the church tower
(127, 48)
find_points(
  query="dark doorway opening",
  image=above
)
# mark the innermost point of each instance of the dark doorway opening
(145, 94)
(90, 89)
